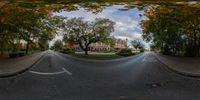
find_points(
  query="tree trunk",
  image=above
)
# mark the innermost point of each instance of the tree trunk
(1, 52)
(86, 49)
(1, 46)
(27, 48)
(198, 47)
(86, 52)
(195, 44)
(162, 47)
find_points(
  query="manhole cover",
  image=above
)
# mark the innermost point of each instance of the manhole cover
(123, 97)
(153, 85)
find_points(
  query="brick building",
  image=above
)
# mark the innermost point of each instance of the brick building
(102, 47)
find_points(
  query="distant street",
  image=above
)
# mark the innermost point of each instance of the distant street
(61, 77)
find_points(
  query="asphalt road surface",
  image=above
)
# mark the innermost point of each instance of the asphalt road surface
(61, 77)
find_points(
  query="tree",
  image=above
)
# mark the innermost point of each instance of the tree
(49, 29)
(173, 29)
(83, 33)
(58, 45)
(26, 21)
(137, 44)
(111, 41)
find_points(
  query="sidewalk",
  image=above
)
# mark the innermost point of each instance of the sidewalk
(14, 66)
(188, 66)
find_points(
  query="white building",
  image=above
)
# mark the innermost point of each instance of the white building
(104, 47)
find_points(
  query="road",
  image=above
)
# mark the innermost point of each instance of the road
(61, 77)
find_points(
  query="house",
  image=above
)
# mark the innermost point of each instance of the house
(102, 47)
(120, 44)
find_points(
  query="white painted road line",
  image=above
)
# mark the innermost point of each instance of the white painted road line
(53, 73)
(42, 73)
(69, 73)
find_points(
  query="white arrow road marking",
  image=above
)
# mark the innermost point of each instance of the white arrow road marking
(42, 73)
(69, 73)
(53, 73)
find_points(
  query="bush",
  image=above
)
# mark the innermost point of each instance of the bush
(141, 50)
(125, 52)
(16, 54)
(67, 51)
(22, 49)
(21, 54)
(13, 55)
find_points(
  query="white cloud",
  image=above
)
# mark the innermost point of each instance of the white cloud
(127, 22)
(58, 37)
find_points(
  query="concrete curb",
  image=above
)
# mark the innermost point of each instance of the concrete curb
(96, 60)
(6, 75)
(187, 74)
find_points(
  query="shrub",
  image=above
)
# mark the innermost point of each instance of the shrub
(16, 54)
(13, 55)
(141, 50)
(22, 49)
(21, 54)
(125, 52)
(67, 51)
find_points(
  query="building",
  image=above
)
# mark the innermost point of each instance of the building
(120, 44)
(102, 47)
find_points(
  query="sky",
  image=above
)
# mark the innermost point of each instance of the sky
(126, 22)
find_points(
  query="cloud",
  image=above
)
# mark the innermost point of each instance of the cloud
(127, 22)
(58, 37)
(129, 36)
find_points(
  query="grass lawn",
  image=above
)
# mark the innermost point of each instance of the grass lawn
(97, 56)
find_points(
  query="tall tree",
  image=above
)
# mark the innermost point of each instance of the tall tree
(84, 33)
(174, 29)
(58, 45)
(26, 21)
(137, 44)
